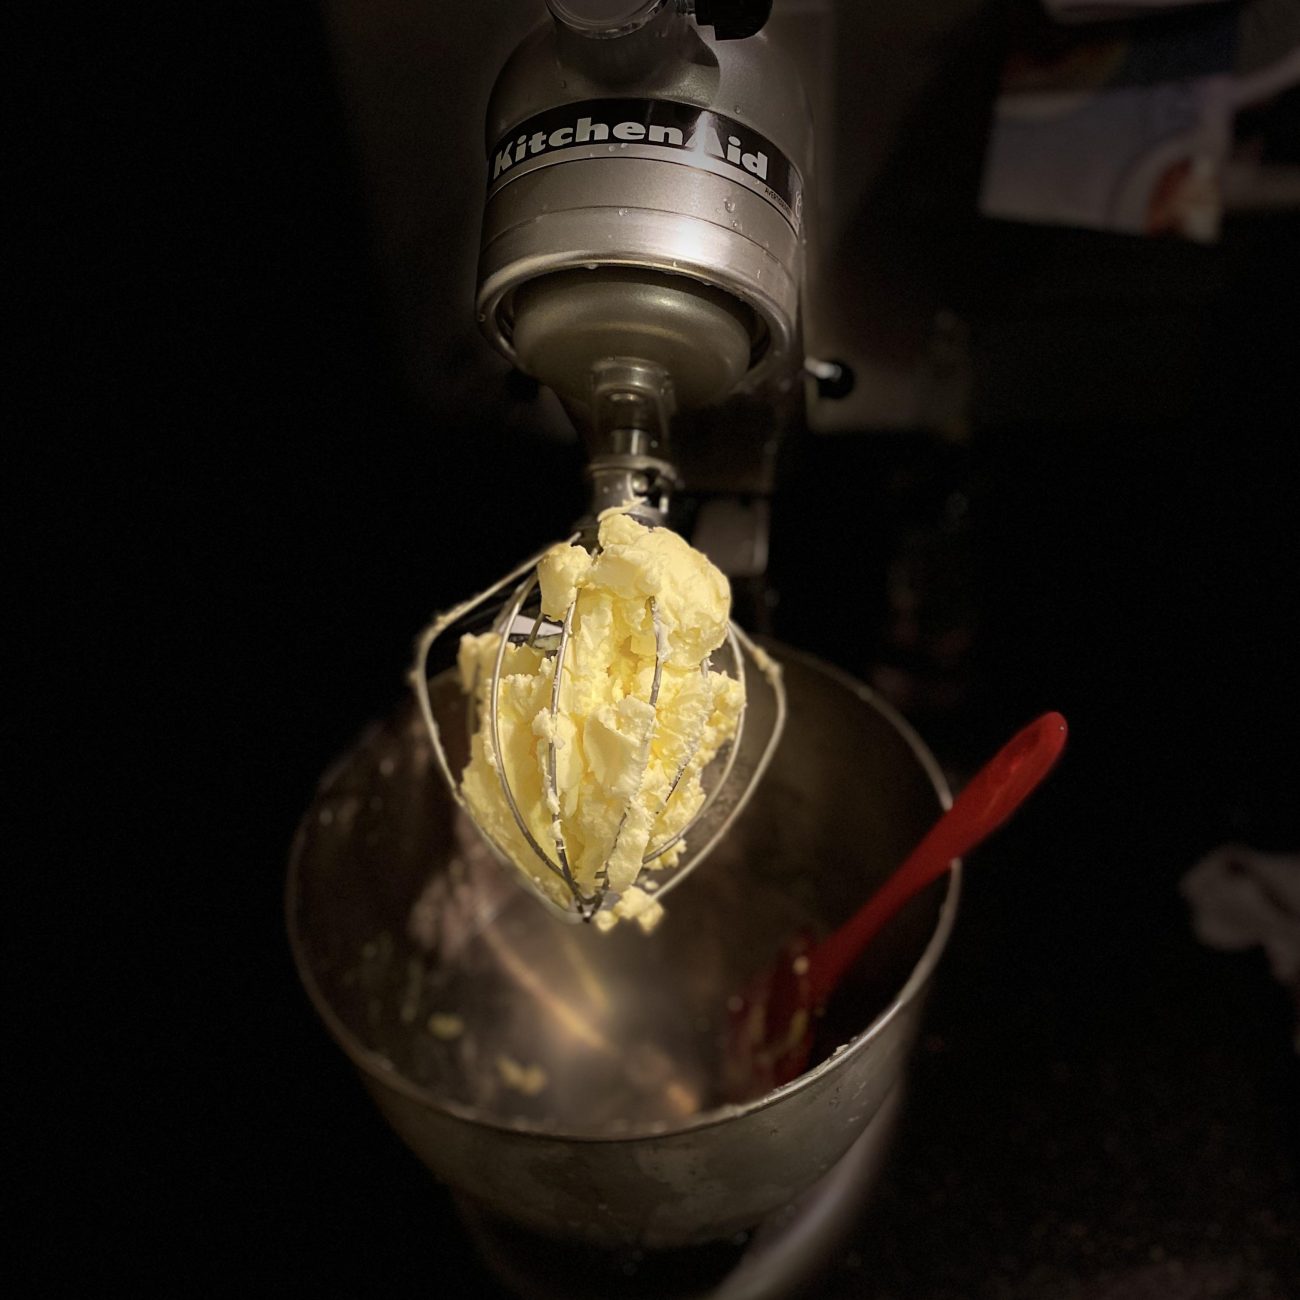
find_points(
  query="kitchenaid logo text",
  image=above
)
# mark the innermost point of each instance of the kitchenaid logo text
(704, 139)
(652, 128)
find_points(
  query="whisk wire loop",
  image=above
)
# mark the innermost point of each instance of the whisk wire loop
(556, 648)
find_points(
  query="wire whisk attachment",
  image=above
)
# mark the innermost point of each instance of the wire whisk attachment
(612, 733)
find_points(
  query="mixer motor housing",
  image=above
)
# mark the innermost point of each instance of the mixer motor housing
(645, 201)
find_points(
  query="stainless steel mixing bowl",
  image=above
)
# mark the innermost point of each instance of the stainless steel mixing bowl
(568, 1080)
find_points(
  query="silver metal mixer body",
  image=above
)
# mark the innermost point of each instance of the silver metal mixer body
(645, 200)
(643, 250)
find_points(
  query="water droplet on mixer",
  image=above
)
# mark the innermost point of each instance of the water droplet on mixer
(622, 212)
(729, 204)
(589, 266)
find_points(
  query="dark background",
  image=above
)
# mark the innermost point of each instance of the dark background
(235, 514)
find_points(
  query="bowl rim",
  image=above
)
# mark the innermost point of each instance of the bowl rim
(379, 1069)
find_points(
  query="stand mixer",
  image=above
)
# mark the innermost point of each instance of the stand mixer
(642, 254)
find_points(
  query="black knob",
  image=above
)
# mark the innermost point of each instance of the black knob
(733, 20)
(835, 379)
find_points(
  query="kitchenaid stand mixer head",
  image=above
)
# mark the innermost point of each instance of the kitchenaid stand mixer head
(642, 251)
(642, 229)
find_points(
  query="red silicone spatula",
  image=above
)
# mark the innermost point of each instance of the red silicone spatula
(771, 1031)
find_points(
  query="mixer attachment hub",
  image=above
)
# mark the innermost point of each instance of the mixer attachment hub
(632, 403)
(566, 324)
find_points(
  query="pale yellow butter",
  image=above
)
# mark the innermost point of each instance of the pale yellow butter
(446, 1025)
(527, 1079)
(616, 756)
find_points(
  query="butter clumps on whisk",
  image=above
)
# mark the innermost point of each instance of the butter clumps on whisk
(638, 717)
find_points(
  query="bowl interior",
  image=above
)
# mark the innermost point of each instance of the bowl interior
(428, 960)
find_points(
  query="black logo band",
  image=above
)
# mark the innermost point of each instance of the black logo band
(650, 128)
